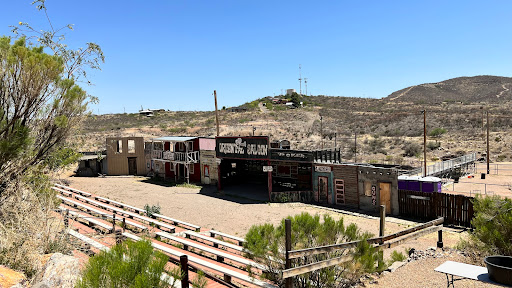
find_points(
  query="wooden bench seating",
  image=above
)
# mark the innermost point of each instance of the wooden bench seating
(196, 260)
(216, 242)
(221, 255)
(74, 203)
(130, 214)
(224, 235)
(92, 220)
(88, 240)
(86, 194)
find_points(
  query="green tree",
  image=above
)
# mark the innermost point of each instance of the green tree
(295, 99)
(493, 225)
(265, 243)
(129, 264)
(40, 107)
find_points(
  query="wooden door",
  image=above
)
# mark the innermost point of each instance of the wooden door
(339, 186)
(206, 174)
(385, 196)
(323, 189)
(132, 166)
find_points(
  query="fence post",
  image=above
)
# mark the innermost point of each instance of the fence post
(440, 239)
(288, 247)
(382, 220)
(66, 219)
(124, 224)
(114, 222)
(184, 271)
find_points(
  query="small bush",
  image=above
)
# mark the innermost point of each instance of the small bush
(431, 145)
(411, 149)
(396, 257)
(266, 242)
(153, 209)
(492, 226)
(437, 132)
(129, 264)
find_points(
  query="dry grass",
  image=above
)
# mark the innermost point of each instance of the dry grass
(29, 228)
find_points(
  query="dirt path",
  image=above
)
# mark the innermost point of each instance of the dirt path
(231, 215)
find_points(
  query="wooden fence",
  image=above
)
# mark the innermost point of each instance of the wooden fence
(455, 209)
(388, 241)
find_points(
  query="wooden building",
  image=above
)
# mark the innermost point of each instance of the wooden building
(177, 158)
(378, 186)
(208, 161)
(125, 156)
(336, 184)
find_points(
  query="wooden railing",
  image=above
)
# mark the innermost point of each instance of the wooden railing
(384, 242)
(184, 157)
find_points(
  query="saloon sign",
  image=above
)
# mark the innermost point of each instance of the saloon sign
(242, 147)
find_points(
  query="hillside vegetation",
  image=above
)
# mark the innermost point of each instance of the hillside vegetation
(388, 130)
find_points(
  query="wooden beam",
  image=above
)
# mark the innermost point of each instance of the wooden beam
(415, 235)
(324, 249)
(315, 266)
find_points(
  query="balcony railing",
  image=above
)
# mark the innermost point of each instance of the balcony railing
(183, 157)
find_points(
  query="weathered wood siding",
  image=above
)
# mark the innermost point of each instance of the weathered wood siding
(117, 162)
(347, 173)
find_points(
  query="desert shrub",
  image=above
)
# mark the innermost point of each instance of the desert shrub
(436, 132)
(433, 145)
(151, 209)
(501, 158)
(396, 257)
(492, 226)
(129, 264)
(411, 149)
(376, 145)
(266, 242)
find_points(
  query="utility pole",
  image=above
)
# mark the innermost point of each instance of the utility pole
(355, 147)
(300, 81)
(488, 170)
(335, 135)
(425, 143)
(306, 83)
(253, 129)
(216, 112)
(322, 131)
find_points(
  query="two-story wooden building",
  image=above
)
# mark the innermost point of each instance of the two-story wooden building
(176, 157)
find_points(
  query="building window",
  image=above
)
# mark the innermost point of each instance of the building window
(190, 146)
(368, 188)
(131, 146)
(191, 168)
(119, 146)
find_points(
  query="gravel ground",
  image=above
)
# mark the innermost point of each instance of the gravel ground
(420, 274)
(235, 215)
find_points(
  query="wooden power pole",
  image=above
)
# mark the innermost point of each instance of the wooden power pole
(425, 143)
(216, 112)
(488, 170)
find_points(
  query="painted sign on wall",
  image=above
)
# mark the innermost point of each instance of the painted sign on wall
(291, 155)
(242, 147)
(374, 195)
(325, 169)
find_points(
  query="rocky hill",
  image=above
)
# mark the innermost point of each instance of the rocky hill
(467, 90)
(387, 129)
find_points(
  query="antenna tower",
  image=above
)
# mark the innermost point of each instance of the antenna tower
(300, 80)
(306, 83)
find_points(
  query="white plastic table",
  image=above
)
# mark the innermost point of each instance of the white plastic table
(451, 268)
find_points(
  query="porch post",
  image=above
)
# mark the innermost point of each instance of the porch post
(269, 182)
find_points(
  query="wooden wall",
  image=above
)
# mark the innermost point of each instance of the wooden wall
(347, 173)
(117, 162)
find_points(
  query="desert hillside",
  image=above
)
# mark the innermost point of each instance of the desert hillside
(388, 130)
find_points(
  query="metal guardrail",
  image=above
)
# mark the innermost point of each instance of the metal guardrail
(441, 167)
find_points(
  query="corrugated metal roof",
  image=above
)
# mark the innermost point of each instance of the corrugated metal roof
(174, 138)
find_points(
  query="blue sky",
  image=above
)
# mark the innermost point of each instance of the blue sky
(173, 54)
